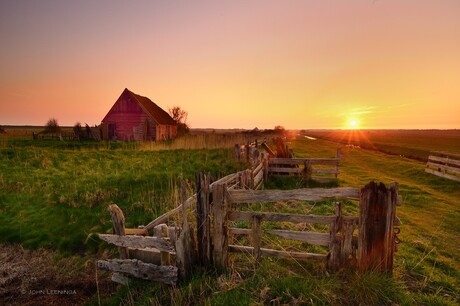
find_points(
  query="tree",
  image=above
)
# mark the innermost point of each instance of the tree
(52, 127)
(180, 117)
(280, 130)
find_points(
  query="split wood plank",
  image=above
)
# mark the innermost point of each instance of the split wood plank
(139, 269)
(138, 242)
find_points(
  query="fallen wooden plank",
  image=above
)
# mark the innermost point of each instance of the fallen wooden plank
(444, 175)
(306, 194)
(276, 253)
(139, 269)
(138, 242)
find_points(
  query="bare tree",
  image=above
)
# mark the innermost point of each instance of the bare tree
(52, 127)
(180, 117)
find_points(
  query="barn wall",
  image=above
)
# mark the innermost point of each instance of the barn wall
(129, 120)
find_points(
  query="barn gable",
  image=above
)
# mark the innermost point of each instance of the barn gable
(134, 117)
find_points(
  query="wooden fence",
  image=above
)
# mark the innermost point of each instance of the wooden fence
(443, 164)
(318, 169)
(199, 233)
(371, 249)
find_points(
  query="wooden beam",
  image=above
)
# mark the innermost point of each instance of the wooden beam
(313, 238)
(301, 161)
(446, 154)
(445, 160)
(276, 217)
(444, 175)
(444, 168)
(284, 170)
(306, 194)
(276, 253)
(139, 269)
(138, 242)
(136, 231)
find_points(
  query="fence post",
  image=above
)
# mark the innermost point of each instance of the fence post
(220, 239)
(162, 231)
(376, 220)
(203, 219)
(247, 152)
(307, 170)
(237, 151)
(256, 235)
(334, 257)
(185, 252)
(118, 220)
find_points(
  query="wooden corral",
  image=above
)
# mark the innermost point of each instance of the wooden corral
(363, 242)
(444, 164)
(282, 161)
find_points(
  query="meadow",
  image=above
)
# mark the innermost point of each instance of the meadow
(415, 144)
(53, 199)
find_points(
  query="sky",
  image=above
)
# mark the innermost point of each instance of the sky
(301, 64)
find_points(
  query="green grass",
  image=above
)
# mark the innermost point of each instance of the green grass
(55, 197)
(55, 194)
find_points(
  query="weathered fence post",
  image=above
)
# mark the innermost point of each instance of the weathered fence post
(247, 152)
(237, 151)
(307, 170)
(220, 239)
(118, 220)
(334, 261)
(376, 220)
(203, 219)
(185, 252)
(256, 236)
(162, 231)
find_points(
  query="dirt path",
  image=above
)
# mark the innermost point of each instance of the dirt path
(39, 277)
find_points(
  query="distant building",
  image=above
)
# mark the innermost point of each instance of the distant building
(134, 117)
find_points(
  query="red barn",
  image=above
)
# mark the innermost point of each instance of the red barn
(134, 117)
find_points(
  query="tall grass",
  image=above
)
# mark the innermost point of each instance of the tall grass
(199, 141)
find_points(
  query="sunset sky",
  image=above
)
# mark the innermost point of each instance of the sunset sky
(235, 64)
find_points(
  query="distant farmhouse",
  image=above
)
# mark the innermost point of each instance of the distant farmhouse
(134, 117)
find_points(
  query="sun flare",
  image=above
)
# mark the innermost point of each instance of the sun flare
(353, 124)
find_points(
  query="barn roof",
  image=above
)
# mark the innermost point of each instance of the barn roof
(150, 108)
(154, 110)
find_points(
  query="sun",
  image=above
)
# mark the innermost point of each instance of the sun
(353, 124)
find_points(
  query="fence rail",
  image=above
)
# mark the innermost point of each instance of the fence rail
(443, 164)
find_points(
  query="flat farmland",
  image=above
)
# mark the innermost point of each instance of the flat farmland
(415, 144)
(54, 195)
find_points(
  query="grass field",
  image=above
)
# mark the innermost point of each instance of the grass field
(53, 199)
